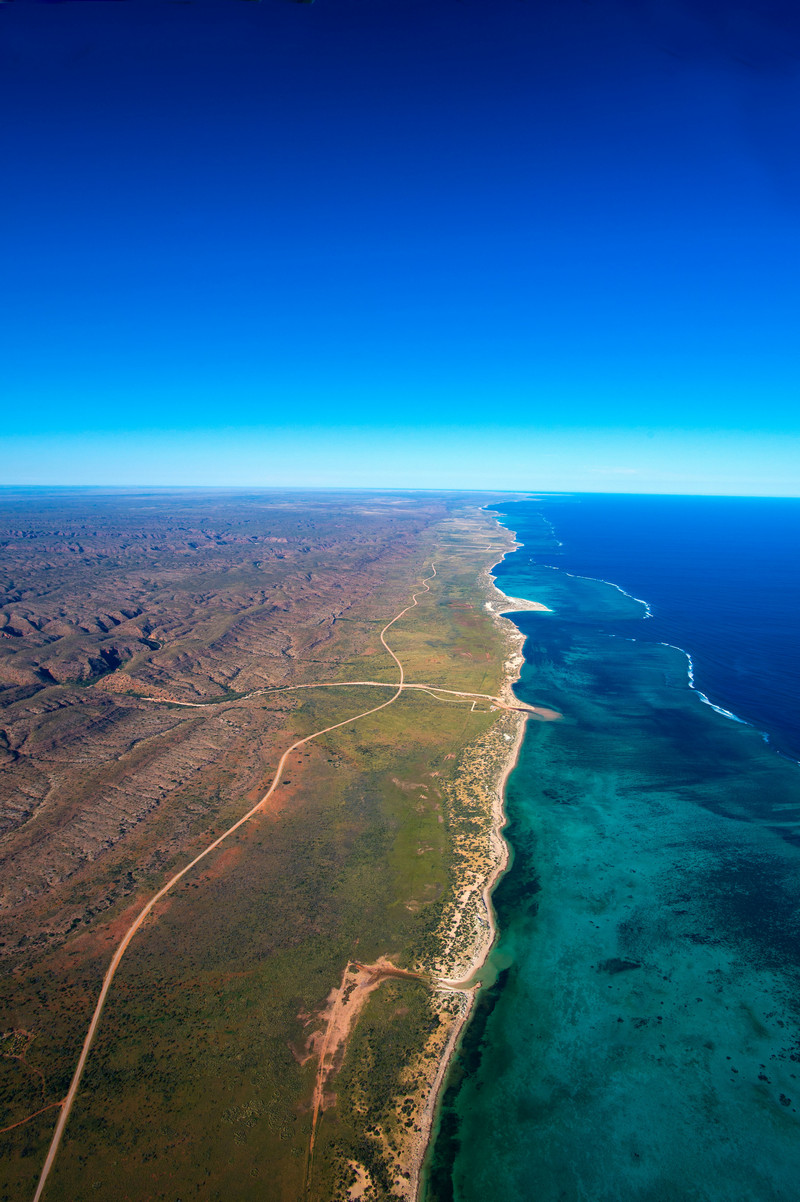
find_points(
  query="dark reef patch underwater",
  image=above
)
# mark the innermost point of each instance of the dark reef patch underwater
(642, 1038)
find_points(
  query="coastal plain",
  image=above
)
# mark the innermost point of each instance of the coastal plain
(158, 655)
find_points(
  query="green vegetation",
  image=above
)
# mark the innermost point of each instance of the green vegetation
(372, 1111)
(199, 1082)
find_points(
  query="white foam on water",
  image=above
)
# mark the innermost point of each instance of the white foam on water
(706, 700)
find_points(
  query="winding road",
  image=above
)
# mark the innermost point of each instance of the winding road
(399, 687)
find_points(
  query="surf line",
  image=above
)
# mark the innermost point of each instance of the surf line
(705, 699)
(648, 613)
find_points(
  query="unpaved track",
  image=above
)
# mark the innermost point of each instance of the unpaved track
(351, 684)
(35, 1114)
(173, 881)
(371, 975)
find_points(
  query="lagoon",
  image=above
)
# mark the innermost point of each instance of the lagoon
(642, 1039)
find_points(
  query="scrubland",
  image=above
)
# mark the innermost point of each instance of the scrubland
(201, 1079)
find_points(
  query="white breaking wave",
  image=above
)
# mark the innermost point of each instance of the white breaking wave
(648, 613)
(706, 700)
(555, 537)
(689, 661)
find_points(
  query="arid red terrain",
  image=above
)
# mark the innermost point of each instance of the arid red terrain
(151, 649)
(193, 599)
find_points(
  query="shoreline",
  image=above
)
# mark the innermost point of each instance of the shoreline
(509, 1113)
(465, 990)
(465, 987)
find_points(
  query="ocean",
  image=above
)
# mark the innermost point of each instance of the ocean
(638, 1033)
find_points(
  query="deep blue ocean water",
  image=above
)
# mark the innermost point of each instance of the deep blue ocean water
(721, 576)
(637, 1035)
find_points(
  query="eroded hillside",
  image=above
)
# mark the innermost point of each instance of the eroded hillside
(150, 649)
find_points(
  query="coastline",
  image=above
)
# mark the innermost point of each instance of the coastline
(457, 960)
(707, 624)
(464, 991)
(463, 988)
(623, 953)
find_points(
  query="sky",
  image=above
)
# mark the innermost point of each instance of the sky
(501, 244)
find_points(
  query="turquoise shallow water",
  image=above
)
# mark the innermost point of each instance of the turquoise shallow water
(642, 1040)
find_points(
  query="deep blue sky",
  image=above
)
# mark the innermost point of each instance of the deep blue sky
(479, 243)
